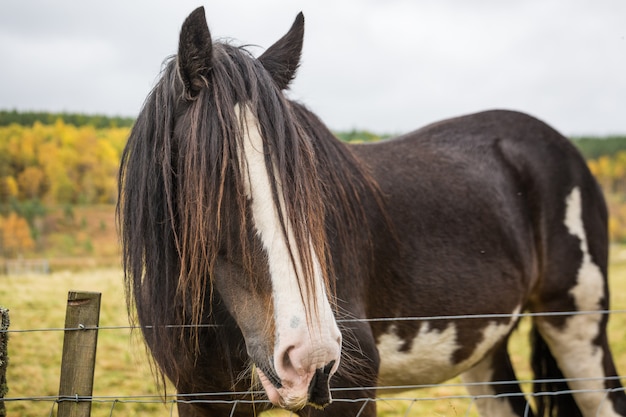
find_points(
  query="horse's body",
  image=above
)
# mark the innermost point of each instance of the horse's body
(488, 214)
(498, 198)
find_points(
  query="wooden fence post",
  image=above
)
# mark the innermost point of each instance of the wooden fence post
(79, 354)
(4, 356)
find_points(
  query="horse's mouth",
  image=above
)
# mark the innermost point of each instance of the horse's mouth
(277, 394)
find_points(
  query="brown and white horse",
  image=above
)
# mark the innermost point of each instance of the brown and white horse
(257, 247)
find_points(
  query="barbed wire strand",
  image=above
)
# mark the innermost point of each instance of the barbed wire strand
(408, 409)
(362, 407)
(113, 407)
(364, 401)
(181, 397)
(186, 398)
(469, 408)
(368, 320)
(172, 404)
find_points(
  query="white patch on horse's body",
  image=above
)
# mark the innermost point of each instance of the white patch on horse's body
(577, 355)
(476, 379)
(430, 359)
(290, 313)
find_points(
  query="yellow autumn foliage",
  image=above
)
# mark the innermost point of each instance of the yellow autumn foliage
(60, 163)
(15, 235)
(610, 172)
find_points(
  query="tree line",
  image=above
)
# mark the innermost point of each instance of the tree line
(594, 147)
(99, 121)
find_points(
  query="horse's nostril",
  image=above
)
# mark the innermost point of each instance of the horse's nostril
(286, 363)
(328, 368)
(319, 389)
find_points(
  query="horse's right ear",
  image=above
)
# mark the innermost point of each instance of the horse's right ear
(195, 52)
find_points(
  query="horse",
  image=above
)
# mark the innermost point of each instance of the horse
(259, 251)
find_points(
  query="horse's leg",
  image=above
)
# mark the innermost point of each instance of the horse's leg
(580, 347)
(496, 367)
(575, 281)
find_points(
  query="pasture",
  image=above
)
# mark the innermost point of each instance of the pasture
(38, 302)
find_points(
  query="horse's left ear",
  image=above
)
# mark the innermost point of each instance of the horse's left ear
(282, 59)
(195, 52)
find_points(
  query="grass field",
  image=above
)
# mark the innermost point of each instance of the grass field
(38, 302)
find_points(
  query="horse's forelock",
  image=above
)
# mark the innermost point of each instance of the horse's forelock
(184, 153)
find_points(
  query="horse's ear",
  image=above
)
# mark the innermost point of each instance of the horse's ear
(282, 59)
(195, 52)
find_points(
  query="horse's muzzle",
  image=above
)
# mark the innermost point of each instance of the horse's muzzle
(315, 393)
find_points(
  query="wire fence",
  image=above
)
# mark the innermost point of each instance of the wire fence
(341, 321)
(410, 401)
(113, 402)
(450, 391)
(171, 401)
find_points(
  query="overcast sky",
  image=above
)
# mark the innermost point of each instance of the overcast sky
(385, 66)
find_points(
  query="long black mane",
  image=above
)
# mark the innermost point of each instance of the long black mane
(182, 202)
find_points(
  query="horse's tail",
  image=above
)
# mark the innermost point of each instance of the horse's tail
(550, 389)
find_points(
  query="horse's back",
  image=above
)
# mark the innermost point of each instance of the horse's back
(498, 171)
(473, 187)
(490, 191)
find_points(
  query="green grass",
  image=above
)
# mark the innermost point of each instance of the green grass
(38, 302)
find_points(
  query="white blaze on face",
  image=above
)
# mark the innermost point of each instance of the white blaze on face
(301, 346)
(572, 345)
